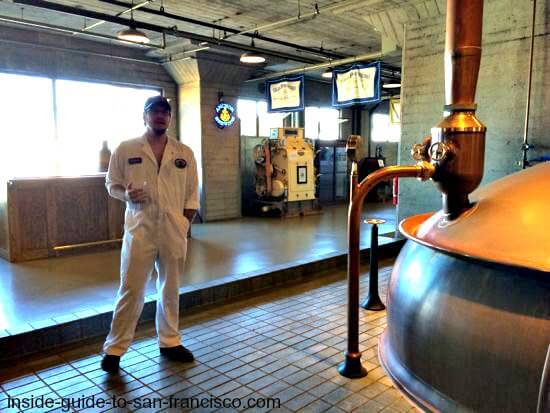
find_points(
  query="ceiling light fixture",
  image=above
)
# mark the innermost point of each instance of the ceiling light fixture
(252, 58)
(391, 85)
(132, 34)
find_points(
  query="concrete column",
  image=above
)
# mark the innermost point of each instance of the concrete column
(217, 150)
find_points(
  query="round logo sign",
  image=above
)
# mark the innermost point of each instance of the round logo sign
(225, 115)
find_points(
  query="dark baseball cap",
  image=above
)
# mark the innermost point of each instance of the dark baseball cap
(159, 101)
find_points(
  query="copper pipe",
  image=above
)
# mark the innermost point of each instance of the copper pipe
(525, 147)
(462, 51)
(352, 365)
(458, 141)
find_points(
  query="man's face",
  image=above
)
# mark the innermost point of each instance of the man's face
(157, 119)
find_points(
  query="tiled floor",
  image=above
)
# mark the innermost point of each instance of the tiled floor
(283, 345)
(70, 287)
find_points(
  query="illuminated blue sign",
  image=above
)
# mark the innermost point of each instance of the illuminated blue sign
(225, 115)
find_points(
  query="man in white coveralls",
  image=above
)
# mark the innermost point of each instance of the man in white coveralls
(157, 178)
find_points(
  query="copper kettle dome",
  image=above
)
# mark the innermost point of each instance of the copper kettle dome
(509, 218)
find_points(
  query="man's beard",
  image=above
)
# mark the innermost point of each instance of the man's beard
(159, 131)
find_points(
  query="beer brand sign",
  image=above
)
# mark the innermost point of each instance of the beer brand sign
(356, 85)
(225, 115)
(285, 94)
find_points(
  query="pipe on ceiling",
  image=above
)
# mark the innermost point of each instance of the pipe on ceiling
(235, 32)
(173, 31)
(280, 23)
(132, 8)
(334, 63)
(40, 25)
(78, 51)
(304, 17)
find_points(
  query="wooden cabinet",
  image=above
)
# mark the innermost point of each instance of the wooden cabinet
(46, 217)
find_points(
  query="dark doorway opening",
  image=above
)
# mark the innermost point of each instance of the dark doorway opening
(333, 181)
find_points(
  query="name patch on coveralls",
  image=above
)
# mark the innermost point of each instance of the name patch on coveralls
(133, 161)
(180, 163)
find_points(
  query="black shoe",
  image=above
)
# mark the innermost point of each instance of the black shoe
(110, 363)
(178, 353)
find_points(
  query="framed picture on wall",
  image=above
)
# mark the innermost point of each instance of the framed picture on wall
(302, 174)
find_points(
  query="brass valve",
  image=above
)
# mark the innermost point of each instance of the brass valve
(419, 151)
(439, 151)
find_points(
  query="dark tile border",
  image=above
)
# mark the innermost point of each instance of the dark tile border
(58, 334)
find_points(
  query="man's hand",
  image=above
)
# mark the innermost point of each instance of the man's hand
(135, 195)
(189, 214)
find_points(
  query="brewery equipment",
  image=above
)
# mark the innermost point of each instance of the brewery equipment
(285, 174)
(469, 295)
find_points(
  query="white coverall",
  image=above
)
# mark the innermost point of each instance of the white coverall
(155, 233)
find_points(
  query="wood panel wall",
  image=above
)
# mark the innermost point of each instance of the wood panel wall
(47, 213)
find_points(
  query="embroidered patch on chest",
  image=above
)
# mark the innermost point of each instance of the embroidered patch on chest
(180, 163)
(133, 161)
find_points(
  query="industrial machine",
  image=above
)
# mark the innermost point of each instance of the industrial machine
(285, 174)
(469, 296)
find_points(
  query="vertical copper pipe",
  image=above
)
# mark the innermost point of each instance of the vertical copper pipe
(352, 366)
(353, 356)
(458, 141)
(525, 146)
(462, 51)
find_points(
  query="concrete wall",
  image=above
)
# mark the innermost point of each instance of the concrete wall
(221, 156)
(217, 150)
(501, 92)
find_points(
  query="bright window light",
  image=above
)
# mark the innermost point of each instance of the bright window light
(269, 120)
(246, 111)
(27, 128)
(382, 130)
(38, 141)
(312, 122)
(329, 127)
(322, 123)
(90, 113)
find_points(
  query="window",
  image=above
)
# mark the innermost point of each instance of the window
(312, 122)
(90, 113)
(56, 127)
(27, 128)
(382, 130)
(251, 111)
(266, 120)
(322, 123)
(246, 110)
(329, 125)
